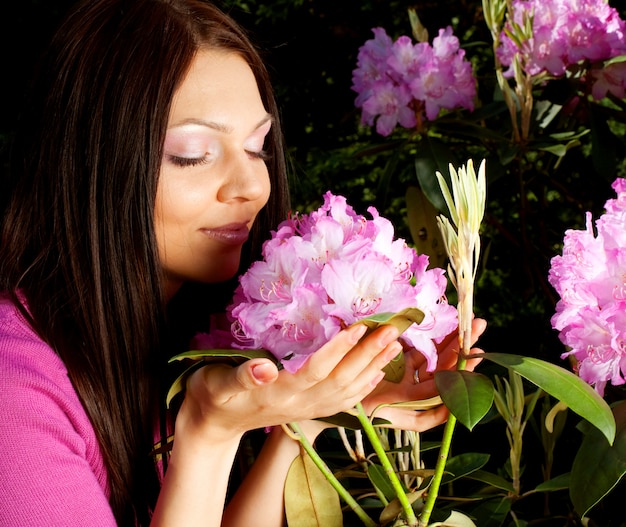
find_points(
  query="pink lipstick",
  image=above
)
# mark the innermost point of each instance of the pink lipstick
(231, 234)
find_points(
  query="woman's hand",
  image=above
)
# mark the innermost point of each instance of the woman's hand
(410, 390)
(223, 402)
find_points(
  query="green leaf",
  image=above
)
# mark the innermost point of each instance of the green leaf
(598, 467)
(561, 482)
(433, 156)
(380, 480)
(310, 500)
(492, 513)
(236, 355)
(402, 320)
(562, 385)
(463, 465)
(493, 480)
(468, 395)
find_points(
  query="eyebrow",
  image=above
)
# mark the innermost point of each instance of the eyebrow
(220, 127)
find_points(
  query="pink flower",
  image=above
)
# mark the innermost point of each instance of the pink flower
(565, 33)
(590, 277)
(445, 80)
(388, 105)
(397, 81)
(611, 78)
(325, 270)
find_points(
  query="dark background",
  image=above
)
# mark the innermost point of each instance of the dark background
(311, 48)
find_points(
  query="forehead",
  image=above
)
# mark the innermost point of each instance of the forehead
(220, 86)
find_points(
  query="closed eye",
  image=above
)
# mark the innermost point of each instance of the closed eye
(263, 155)
(187, 161)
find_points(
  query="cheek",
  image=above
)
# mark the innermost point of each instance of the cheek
(178, 204)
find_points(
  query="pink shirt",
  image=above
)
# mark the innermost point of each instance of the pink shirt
(51, 470)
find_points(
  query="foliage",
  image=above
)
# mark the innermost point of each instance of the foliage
(544, 171)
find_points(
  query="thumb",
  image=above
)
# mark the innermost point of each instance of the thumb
(261, 371)
(226, 382)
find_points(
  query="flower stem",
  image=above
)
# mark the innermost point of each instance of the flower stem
(466, 300)
(433, 491)
(370, 432)
(341, 490)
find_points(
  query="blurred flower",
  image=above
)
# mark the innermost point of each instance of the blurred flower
(609, 79)
(325, 270)
(590, 277)
(549, 36)
(399, 81)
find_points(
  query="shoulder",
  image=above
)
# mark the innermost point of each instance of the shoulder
(22, 351)
(54, 449)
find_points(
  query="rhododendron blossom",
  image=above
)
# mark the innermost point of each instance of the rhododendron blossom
(325, 270)
(590, 277)
(566, 33)
(399, 81)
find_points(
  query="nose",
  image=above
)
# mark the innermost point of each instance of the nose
(246, 178)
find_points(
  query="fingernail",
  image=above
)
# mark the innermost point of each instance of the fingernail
(389, 334)
(393, 350)
(357, 331)
(377, 379)
(262, 372)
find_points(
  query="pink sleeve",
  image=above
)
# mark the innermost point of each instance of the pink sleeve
(51, 469)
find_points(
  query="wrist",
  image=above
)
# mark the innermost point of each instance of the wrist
(194, 426)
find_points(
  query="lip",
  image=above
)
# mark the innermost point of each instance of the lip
(231, 234)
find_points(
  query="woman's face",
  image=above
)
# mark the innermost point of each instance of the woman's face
(213, 180)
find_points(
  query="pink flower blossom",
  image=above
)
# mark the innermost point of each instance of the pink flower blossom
(398, 81)
(325, 270)
(446, 80)
(565, 33)
(590, 277)
(609, 79)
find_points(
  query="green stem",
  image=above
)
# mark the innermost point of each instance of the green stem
(389, 470)
(433, 491)
(341, 490)
(465, 290)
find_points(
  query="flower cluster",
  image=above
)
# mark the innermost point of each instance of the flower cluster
(398, 81)
(564, 33)
(322, 272)
(590, 278)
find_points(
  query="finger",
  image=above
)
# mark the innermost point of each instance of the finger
(471, 364)
(479, 325)
(417, 421)
(448, 353)
(224, 382)
(324, 360)
(352, 360)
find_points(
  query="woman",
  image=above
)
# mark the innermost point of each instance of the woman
(142, 181)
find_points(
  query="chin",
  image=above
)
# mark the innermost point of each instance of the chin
(220, 273)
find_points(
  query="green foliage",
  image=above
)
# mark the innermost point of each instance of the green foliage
(467, 395)
(598, 466)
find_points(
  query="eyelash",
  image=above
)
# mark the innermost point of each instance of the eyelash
(195, 161)
(263, 155)
(188, 161)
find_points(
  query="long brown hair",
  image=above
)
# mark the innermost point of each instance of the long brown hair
(78, 237)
